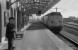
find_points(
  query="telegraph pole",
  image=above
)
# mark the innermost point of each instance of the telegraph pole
(59, 8)
(56, 9)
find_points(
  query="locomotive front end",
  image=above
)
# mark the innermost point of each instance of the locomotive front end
(53, 21)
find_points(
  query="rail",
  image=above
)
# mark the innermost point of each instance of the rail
(72, 26)
(70, 37)
(71, 23)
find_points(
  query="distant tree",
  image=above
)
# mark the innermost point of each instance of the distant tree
(72, 17)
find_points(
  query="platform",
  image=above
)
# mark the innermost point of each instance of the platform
(40, 39)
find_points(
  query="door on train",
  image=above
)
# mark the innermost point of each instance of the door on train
(0, 23)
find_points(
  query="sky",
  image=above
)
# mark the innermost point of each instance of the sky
(67, 8)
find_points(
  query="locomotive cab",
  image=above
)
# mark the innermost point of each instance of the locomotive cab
(54, 21)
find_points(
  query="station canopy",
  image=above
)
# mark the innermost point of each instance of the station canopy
(34, 6)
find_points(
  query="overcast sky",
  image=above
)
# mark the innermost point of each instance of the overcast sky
(68, 7)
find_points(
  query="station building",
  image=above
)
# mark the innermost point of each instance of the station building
(5, 13)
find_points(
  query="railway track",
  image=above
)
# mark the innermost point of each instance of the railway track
(69, 39)
(71, 36)
(72, 40)
(72, 23)
(72, 26)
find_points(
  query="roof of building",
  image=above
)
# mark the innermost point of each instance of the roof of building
(40, 5)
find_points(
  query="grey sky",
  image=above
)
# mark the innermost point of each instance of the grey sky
(68, 7)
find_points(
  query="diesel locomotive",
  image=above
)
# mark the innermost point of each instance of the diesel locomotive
(53, 21)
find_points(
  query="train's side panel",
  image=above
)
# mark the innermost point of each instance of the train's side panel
(45, 19)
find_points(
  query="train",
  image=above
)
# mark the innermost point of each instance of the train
(53, 21)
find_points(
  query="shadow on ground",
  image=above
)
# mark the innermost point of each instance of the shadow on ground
(37, 26)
